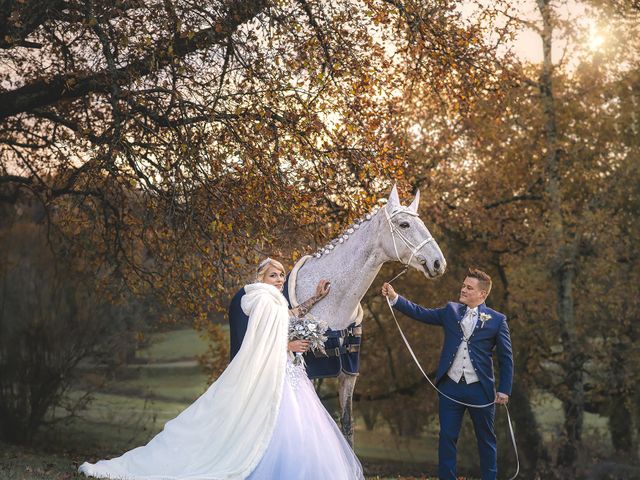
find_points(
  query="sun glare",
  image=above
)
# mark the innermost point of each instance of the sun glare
(596, 39)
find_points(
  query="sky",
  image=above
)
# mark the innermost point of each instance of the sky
(528, 45)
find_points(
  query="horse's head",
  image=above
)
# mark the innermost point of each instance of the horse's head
(407, 238)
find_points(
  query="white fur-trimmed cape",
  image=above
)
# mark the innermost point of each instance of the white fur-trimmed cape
(225, 432)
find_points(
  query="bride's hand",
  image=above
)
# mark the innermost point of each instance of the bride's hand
(322, 290)
(298, 346)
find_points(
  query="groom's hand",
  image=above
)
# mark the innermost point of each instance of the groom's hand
(388, 291)
(502, 398)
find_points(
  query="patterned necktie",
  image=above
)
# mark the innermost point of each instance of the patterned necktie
(467, 322)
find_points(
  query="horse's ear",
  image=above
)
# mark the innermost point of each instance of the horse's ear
(394, 200)
(416, 201)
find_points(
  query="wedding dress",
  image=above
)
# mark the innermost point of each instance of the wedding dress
(261, 420)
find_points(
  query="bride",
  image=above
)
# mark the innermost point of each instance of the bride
(261, 420)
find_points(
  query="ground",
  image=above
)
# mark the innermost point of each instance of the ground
(28, 464)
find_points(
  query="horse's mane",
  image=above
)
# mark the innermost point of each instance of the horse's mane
(347, 233)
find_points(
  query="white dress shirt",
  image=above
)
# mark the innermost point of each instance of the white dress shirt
(462, 361)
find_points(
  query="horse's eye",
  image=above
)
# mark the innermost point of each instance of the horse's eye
(404, 225)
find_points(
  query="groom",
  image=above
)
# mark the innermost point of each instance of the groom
(465, 372)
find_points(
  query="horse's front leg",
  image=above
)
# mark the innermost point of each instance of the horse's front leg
(346, 385)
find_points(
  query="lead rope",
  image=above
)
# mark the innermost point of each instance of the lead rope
(415, 359)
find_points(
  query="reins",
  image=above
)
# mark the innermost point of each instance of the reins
(414, 250)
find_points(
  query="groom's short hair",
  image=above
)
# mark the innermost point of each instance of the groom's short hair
(484, 280)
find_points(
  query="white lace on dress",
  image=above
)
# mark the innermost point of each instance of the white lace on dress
(305, 437)
(295, 373)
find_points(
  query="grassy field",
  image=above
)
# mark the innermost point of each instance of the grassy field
(135, 407)
(174, 346)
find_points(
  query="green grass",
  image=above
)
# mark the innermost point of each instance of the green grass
(380, 445)
(169, 385)
(548, 412)
(27, 464)
(175, 345)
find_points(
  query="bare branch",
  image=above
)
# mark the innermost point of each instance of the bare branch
(516, 198)
(75, 85)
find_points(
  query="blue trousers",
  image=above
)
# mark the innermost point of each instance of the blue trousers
(451, 414)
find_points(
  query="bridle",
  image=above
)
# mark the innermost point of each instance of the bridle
(396, 232)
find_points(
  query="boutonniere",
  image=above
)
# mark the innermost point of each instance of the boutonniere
(483, 318)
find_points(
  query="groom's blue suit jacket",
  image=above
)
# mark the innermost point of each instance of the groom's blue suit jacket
(238, 322)
(483, 340)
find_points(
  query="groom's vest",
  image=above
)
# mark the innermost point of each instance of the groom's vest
(481, 344)
(342, 347)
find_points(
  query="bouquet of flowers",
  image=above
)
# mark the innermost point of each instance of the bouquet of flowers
(310, 329)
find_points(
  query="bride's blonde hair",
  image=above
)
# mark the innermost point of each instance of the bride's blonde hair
(264, 264)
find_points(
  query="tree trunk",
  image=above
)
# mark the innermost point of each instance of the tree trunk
(621, 429)
(534, 454)
(562, 265)
(622, 407)
(573, 399)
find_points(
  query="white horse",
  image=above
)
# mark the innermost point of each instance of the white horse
(352, 261)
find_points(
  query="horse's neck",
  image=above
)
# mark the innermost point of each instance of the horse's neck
(351, 268)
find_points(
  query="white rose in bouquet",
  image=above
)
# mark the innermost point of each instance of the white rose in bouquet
(310, 329)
